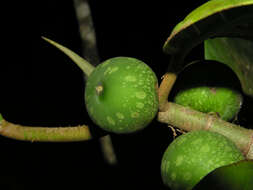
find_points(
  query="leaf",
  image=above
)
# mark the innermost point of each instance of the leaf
(215, 18)
(237, 176)
(86, 67)
(237, 54)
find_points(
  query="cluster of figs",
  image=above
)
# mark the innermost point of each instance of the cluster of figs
(121, 96)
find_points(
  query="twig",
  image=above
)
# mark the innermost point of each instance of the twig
(188, 120)
(165, 88)
(87, 31)
(108, 150)
(44, 134)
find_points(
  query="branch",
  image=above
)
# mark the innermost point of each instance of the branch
(87, 31)
(44, 134)
(188, 119)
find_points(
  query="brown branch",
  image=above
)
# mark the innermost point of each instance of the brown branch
(44, 134)
(188, 120)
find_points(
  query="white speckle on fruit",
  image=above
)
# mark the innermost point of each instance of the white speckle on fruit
(167, 165)
(140, 82)
(120, 115)
(139, 105)
(91, 110)
(197, 142)
(187, 176)
(121, 128)
(210, 163)
(107, 70)
(140, 94)
(113, 69)
(130, 78)
(205, 148)
(135, 114)
(173, 176)
(179, 160)
(222, 162)
(110, 120)
(110, 70)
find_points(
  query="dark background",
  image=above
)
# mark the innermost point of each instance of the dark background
(42, 87)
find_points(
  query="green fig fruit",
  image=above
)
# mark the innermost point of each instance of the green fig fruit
(121, 95)
(224, 101)
(209, 87)
(193, 155)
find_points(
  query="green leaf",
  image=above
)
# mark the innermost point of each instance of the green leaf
(237, 176)
(215, 18)
(237, 54)
(86, 67)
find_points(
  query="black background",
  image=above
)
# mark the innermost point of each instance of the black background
(42, 87)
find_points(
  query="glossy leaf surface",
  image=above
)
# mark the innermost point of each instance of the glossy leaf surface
(215, 18)
(237, 54)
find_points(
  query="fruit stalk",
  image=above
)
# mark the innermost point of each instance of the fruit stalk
(164, 90)
(188, 120)
(44, 134)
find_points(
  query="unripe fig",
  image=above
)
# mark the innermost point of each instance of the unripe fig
(209, 86)
(224, 101)
(193, 155)
(121, 95)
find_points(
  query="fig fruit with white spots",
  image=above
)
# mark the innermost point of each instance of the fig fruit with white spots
(193, 155)
(209, 87)
(222, 100)
(121, 95)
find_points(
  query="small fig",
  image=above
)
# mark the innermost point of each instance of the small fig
(121, 95)
(224, 101)
(193, 155)
(209, 87)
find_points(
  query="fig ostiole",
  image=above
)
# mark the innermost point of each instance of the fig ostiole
(121, 95)
(224, 101)
(193, 155)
